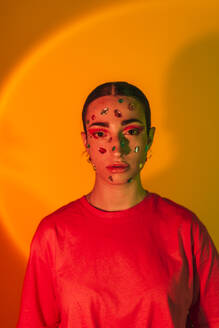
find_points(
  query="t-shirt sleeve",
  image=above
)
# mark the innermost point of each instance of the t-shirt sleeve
(38, 301)
(204, 311)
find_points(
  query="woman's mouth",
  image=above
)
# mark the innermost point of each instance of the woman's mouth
(118, 168)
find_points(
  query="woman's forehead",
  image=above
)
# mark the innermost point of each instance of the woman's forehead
(117, 105)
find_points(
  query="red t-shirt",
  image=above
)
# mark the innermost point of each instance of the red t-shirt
(152, 265)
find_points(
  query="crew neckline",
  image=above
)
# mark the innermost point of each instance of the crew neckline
(117, 215)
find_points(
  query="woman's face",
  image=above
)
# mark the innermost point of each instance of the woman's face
(116, 133)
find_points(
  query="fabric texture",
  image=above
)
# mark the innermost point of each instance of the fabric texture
(152, 265)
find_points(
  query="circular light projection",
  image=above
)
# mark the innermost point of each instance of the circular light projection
(41, 165)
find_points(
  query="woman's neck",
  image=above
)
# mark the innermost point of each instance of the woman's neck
(111, 197)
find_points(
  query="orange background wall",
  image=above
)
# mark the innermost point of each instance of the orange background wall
(53, 53)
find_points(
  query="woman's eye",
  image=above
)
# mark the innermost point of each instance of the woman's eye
(132, 132)
(98, 134)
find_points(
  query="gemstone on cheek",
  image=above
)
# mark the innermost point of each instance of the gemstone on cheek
(102, 150)
(113, 148)
(117, 113)
(140, 165)
(129, 180)
(120, 100)
(88, 145)
(136, 149)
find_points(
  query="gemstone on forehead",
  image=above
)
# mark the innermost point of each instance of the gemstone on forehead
(102, 150)
(131, 106)
(104, 111)
(120, 100)
(117, 113)
(136, 149)
(93, 117)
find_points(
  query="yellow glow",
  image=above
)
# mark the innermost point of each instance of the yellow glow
(41, 167)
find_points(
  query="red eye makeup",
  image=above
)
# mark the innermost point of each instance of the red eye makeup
(94, 133)
(134, 127)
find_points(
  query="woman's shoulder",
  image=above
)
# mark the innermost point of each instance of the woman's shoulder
(169, 208)
(58, 217)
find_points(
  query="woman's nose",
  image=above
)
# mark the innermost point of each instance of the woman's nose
(119, 145)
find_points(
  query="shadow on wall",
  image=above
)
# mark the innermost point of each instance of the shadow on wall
(12, 274)
(191, 114)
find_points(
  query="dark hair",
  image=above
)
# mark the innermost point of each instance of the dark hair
(120, 89)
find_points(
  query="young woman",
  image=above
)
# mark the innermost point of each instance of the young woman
(120, 256)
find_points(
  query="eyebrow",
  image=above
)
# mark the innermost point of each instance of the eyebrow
(125, 122)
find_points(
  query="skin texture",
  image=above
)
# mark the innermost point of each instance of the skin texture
(116, 143)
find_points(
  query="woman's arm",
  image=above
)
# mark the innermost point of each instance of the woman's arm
(38, 302)
(204, 312)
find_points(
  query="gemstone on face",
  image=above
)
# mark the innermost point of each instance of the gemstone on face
(129, 180)
(131, 106)
(120, 100)
(113, 148)
(140, 165)
(117, 113)
(102, 150)
(136, 149)
(88, 146)
(104, 111)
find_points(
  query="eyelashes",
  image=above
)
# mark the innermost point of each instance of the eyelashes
(102, 133)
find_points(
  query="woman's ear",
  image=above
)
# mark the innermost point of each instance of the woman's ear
(84, 138)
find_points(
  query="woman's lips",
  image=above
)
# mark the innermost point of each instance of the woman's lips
(117, 168)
